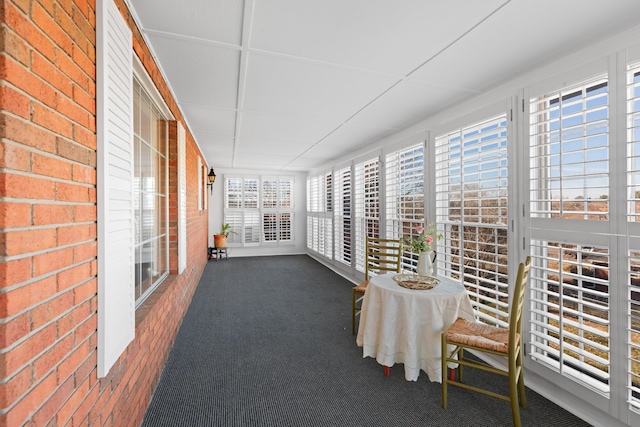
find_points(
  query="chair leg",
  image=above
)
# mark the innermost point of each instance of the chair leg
(514, 375)
(387, 371)
(353, 312)
(445, 354)
(460, 367)
(521, 392)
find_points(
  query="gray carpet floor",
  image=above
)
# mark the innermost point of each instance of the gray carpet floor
(267, 342)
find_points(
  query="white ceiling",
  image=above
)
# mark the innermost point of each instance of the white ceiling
(292, 84)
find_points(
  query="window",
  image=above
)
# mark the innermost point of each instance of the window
(367, 205)
(471, 205)
(342, 216)
(404, 189)
(570, 237)
(319, 214)
(570, 152)
(150, 193)
(632, 291)
(259, 210)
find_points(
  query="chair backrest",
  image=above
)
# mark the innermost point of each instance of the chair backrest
(383, 255)
(517, 302)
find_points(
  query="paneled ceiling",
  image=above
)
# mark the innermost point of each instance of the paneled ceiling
(289, 85)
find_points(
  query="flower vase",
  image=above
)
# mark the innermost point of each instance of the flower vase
(425, 263)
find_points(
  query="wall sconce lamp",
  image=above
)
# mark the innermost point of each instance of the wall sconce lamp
(212, 178)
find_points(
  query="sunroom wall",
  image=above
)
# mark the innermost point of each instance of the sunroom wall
(48, 228)
(507, 93)
(216, 213)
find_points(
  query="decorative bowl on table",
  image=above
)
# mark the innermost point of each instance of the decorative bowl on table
(416, 282)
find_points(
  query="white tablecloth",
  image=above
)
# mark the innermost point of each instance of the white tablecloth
(399, 325)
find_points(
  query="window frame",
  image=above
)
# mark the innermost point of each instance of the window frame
(245, 212)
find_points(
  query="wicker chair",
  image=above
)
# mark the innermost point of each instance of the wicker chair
(382, 255)
(480, 337)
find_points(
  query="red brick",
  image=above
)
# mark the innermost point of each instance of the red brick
(50, 74)
(13, 214)
(14, 157)
(49, 26)
(23, 353)
(72, 151)
(23, 79)
(84, 174)
(72, 193)
(25, 241)
(52, 357)
(73, 360)
(33, 36)
(15, 271)
(70, 406)
(73, 111)
(52, 261)
(23, 5)
(51, 120)
(85, 252)
(73, 234)
(48, 5)
(78, 315)
(84, 137)
(50, 310)
(93, 195)
(15, 102)
(86, 61)
(70, 68)
(15, 46)
(51, 167)
(16, 300)
(73, 276)
(26, 187)
(85, 291)
(15, 387)
(47, 214)
(25, 407)
(84, 213)
(86, 329)
(51, 405)
(14, 330)
(20, 131)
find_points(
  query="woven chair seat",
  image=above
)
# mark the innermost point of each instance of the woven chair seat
(361, 287)
(480, 335)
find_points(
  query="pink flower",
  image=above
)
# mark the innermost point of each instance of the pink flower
(429, 239)
(419, 229)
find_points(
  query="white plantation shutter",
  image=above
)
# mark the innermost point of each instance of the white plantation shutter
(367, 206)
(342, 215)
(404, 202)
(319, 214)
(251, 228)
(471, 212)
(259, 210)
(571, 244)
(116, 229)
(182, 199)
(632, 291)
(569, 152)
(633, 312)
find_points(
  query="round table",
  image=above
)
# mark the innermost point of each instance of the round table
(400, 325)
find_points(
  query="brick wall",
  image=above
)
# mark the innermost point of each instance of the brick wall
(48, 232)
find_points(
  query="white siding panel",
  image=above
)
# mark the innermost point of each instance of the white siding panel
(116, 300)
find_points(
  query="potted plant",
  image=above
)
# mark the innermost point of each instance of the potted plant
(220, 239)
